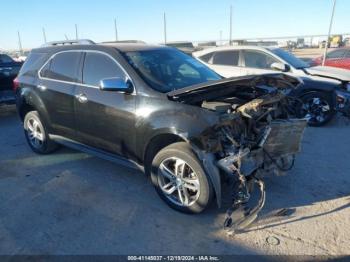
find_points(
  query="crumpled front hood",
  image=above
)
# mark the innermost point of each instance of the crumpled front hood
(329, 72)
(231, 84)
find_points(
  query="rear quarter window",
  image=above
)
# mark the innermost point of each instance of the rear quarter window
(45, 71)
(32, 64)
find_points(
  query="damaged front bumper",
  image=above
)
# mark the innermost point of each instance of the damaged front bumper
(245, 215)
(274, 155)
(343, 102)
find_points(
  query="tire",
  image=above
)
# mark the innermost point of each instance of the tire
(317, 107)
(192, 175)
(36, 134)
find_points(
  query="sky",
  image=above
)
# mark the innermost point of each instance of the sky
(194, 20)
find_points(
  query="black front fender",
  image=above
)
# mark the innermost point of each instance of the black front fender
(209, 164)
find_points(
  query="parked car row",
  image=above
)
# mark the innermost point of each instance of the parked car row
(335, 58)
(8, 72)
(319, 85)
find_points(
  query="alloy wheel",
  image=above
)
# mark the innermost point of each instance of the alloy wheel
(316, 110)
(178, 182)
(35, 133)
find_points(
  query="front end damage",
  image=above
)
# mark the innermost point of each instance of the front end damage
(257, 135)
(258, 139)
(273, 153)
(343, 101)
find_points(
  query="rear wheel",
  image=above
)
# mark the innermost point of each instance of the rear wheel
(180, 180)
(317, 108)
(36, 134)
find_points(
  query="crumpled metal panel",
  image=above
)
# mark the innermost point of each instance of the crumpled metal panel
(285, 137)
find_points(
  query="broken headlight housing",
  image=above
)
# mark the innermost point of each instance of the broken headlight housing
(348, 87)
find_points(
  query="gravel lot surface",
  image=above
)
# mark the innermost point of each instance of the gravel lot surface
(73, 203)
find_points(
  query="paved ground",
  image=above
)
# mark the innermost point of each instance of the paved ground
(72, 203)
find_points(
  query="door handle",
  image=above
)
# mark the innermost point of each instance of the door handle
(82, 98)
(41, 87)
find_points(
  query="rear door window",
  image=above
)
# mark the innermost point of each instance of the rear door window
(98, 66)
(63, 66)
(256, 59)
(337, 54)
(229, 58)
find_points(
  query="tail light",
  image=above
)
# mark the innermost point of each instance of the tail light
(15, 84)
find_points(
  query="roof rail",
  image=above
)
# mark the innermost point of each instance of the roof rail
(70, 42)
(124, 42)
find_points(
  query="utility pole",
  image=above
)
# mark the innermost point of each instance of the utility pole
(164, 21)
(76, 32)
(44, 35)
(20, 43)
(329, 33)
(220, 37)
(230, 25)
(115, 29)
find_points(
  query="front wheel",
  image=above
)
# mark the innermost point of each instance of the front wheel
(317, 108)
(180, 180)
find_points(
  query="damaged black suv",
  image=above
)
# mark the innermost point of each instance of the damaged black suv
(156, 108)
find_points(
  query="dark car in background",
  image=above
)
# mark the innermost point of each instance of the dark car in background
(8, 72)
(157, 108)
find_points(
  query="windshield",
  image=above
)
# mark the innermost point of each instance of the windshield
(290, 58)
(168, 69)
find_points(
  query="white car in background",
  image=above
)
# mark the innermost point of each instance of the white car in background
(319, 83)
(20, 58)
(230, 61)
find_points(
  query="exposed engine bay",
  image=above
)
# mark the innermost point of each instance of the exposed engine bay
(258, 135)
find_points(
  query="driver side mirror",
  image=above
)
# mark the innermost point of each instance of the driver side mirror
(280, 67)
(116, 84)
